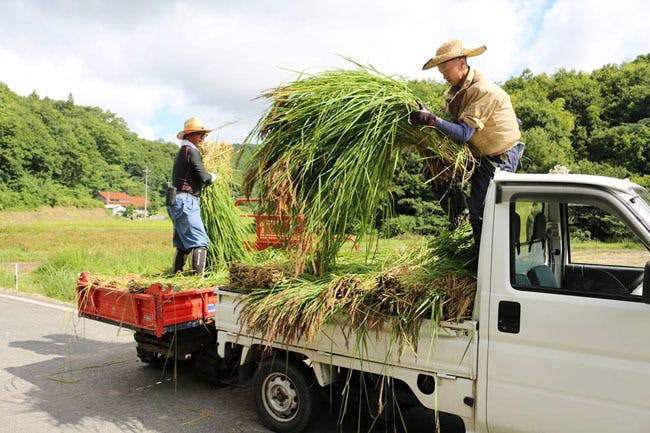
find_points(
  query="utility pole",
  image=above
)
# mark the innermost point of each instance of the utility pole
(146, 189)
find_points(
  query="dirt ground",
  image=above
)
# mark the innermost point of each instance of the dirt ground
(613, 257)
(51, 214)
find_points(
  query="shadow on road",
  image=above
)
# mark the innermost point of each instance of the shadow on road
(84, 384)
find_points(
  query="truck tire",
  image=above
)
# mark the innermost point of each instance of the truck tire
(285, 395)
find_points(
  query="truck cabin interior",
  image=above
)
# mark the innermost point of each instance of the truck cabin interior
(575, 246)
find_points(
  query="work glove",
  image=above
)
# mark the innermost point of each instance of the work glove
(422, 116)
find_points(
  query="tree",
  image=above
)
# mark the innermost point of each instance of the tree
(48, 146)
(629, 139)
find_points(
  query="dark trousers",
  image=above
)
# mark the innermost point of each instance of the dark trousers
(480, 181)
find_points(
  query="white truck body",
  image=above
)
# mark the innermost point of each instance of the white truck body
(567, 354)
(451, 357)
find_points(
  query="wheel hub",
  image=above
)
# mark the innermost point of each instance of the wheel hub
(280, 397)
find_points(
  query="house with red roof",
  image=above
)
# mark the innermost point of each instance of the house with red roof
(119, 201)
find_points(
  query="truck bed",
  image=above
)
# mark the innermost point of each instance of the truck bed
(452, 351)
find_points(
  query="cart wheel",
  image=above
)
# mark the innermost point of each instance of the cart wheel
(146, 356)
(285, 395)
(154, 359)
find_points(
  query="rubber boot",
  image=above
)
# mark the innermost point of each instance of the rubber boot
(198, 259)
(457, 205)
(179, 260)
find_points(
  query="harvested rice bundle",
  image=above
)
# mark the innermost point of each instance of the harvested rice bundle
(330, 145)
(139, 283)
(430, 283)
(451, 251)
(280, 311)
(128, 283)
(401, 300)
(223, 222)
(301, 308)
(249, 277)
(459, 296)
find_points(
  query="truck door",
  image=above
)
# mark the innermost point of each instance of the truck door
(569, 334)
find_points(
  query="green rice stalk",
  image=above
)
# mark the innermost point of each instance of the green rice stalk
(226, 228)
(329, 147)
(451, 251)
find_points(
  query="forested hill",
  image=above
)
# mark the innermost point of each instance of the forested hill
(58, 153)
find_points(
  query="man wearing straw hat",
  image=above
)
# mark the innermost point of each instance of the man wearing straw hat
(482, 115)
(188, 177)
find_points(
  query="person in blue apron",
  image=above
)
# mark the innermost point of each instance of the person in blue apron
(183, 201)
(481, 115)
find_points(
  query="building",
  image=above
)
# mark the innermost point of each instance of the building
(118, 202)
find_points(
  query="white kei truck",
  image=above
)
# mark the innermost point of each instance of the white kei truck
(558, 341)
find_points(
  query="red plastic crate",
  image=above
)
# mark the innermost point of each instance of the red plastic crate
(156, 310)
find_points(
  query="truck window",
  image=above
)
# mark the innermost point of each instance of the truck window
(578, 248)
(528, 219)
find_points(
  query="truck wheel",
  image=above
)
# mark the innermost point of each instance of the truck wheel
(285, 395)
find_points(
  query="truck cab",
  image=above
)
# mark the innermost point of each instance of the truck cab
(564, 336)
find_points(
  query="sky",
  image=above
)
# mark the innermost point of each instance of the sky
(156, 63)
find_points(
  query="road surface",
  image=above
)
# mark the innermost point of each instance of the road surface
(59, 373)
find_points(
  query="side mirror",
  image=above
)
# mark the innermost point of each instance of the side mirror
(646, 283)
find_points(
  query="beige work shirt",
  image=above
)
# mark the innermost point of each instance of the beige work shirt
(486, 107)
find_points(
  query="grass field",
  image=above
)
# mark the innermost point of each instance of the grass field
(51, 247)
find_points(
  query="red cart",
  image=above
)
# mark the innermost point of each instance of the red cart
(270, 229)
(155, 311)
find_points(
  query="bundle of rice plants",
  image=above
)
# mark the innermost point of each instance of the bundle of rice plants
(451, 251)
(245, 277)
(278, 312)
(329, 147)
(396, 299)
(226, 228)
(136, 283)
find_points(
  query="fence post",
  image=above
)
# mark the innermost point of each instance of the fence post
(16, 275)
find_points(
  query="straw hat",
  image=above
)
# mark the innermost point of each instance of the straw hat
(193, 124)
(450, 50)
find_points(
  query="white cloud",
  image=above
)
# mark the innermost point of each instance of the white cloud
(157, 63)
(585, 35)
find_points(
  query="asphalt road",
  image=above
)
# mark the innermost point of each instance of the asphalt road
(59, 373)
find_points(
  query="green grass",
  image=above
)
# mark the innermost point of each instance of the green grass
(52, 254)
(595, 245)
